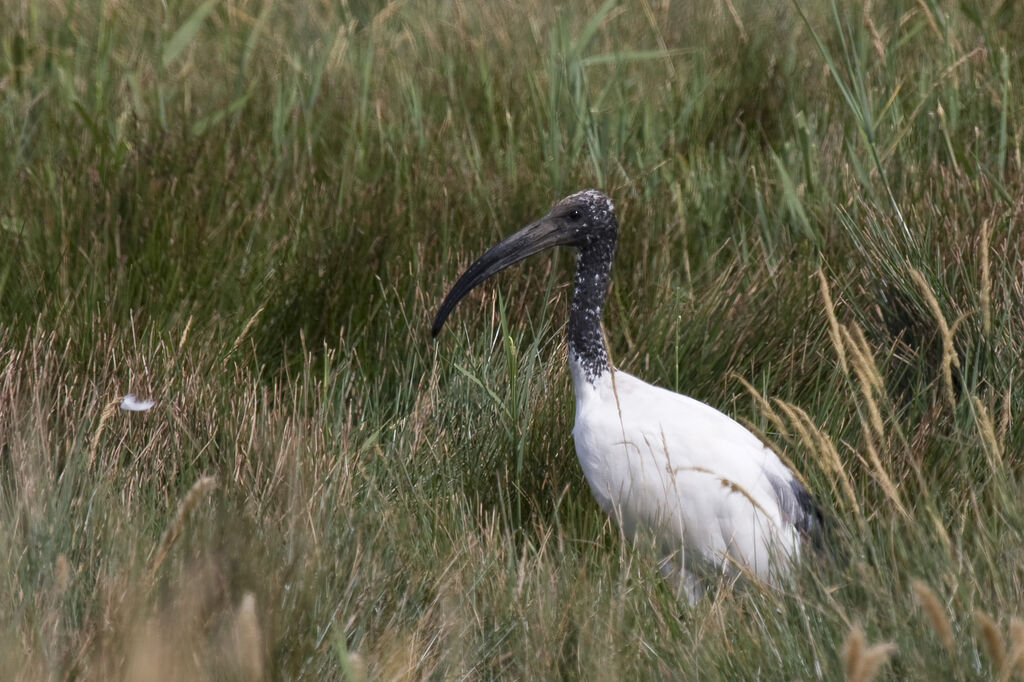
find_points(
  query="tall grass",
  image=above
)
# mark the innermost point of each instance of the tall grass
(249, 211)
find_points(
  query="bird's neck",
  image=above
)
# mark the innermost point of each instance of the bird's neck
(586, 340)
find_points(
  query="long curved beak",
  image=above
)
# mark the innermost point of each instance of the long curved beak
(533, 238)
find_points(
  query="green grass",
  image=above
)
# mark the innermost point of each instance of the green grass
(250, 211)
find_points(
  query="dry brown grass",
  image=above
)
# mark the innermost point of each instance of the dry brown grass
(861, 663)
(949, 356)
(200, 489)
(256, 228)
(1015, 658)
(933, 608)
(992, 639)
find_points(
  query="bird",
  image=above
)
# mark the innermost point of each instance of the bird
(714, 498)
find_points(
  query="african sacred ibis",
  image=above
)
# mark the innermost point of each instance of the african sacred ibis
(714, 496)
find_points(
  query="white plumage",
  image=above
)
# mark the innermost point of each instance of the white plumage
(714, 497)
(664, 463)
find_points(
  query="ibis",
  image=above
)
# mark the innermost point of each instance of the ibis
(715, 499)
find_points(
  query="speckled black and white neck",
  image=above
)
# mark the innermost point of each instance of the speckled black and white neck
(594, 257)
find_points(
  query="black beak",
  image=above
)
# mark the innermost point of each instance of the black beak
(532, 239)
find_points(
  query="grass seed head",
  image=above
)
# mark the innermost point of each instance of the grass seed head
(193, 497)
(1015, 659)
(992, 639)
(248, 640)
(861, 662)
(936, 613)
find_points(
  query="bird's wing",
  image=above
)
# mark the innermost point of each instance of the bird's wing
(696, 434)
(798, 507)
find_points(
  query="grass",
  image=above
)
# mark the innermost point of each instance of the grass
(249, 212)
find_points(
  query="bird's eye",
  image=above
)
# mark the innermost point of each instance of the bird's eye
(575, 214)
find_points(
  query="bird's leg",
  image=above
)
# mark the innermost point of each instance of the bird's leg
(684, 582)
(693, 586)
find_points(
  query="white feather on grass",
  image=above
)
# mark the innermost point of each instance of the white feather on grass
(133, 404)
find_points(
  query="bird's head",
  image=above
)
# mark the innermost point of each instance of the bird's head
(586, 216)
(581, 220)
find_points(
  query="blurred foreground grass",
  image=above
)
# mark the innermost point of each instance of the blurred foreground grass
(249, 211)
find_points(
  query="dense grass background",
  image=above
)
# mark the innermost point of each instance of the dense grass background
(249, 211)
